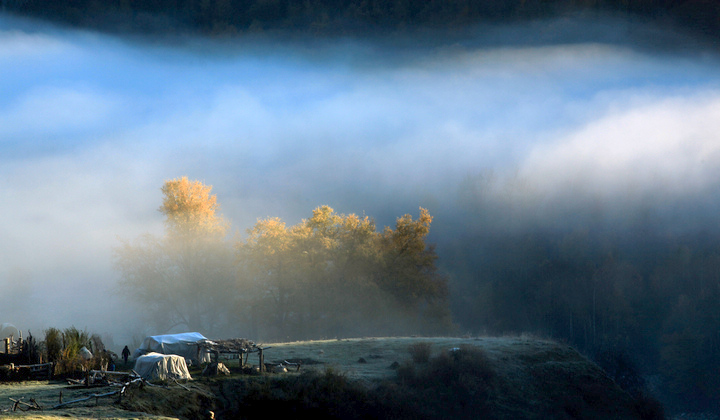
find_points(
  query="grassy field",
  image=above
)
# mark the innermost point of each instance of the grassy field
(378, 353)
(519, 377)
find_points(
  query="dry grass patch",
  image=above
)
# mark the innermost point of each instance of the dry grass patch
(192, 401)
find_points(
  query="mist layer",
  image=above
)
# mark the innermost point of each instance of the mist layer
(91, 126)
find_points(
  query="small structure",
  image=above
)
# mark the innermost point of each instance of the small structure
(11, 338)
(161, 366)
(186, 345)
(236, 347)
(16, 350)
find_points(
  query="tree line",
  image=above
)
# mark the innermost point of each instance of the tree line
(640, 296)
(658, 313)
(227, 17)
(331, 275)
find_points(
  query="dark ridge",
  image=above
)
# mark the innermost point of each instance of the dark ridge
(343, 17)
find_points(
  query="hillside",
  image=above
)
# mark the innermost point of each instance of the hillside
(518, 378)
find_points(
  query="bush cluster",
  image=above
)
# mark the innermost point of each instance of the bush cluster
(420, 352)
(64, 350)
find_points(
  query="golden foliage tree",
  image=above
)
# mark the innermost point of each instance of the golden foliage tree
(182, 279)
(409, 272)
(334, 274)
(190, 209)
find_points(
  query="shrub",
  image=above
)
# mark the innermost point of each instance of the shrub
(53, 344)
(648, 407)
(621, 368)
(420, 352)
(454, 383)
(73, 341)
(63, 349)
(328, 394)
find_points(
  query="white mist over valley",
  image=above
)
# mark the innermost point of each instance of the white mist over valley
(617, 120)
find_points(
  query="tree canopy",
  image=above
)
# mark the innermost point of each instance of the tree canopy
(329, 275)
(335, 275)
(190, 209)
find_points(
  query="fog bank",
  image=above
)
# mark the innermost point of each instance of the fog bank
(91, 126)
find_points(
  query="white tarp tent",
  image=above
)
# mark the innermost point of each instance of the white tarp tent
(183, 344)
(161, 366)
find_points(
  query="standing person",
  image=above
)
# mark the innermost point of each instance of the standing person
(125, 353)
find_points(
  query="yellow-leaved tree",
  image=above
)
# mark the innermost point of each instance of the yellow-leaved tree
(182, 280)
(334, 275)
(191, 210)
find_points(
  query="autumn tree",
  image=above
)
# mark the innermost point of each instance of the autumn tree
(268, 261)
(182, 279)
(334, 274)
(409, 271)
(190, 210)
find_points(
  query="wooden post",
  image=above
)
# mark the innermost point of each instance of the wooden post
(262, 360)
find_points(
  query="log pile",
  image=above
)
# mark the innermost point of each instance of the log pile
(19, 404)
(122, 381)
